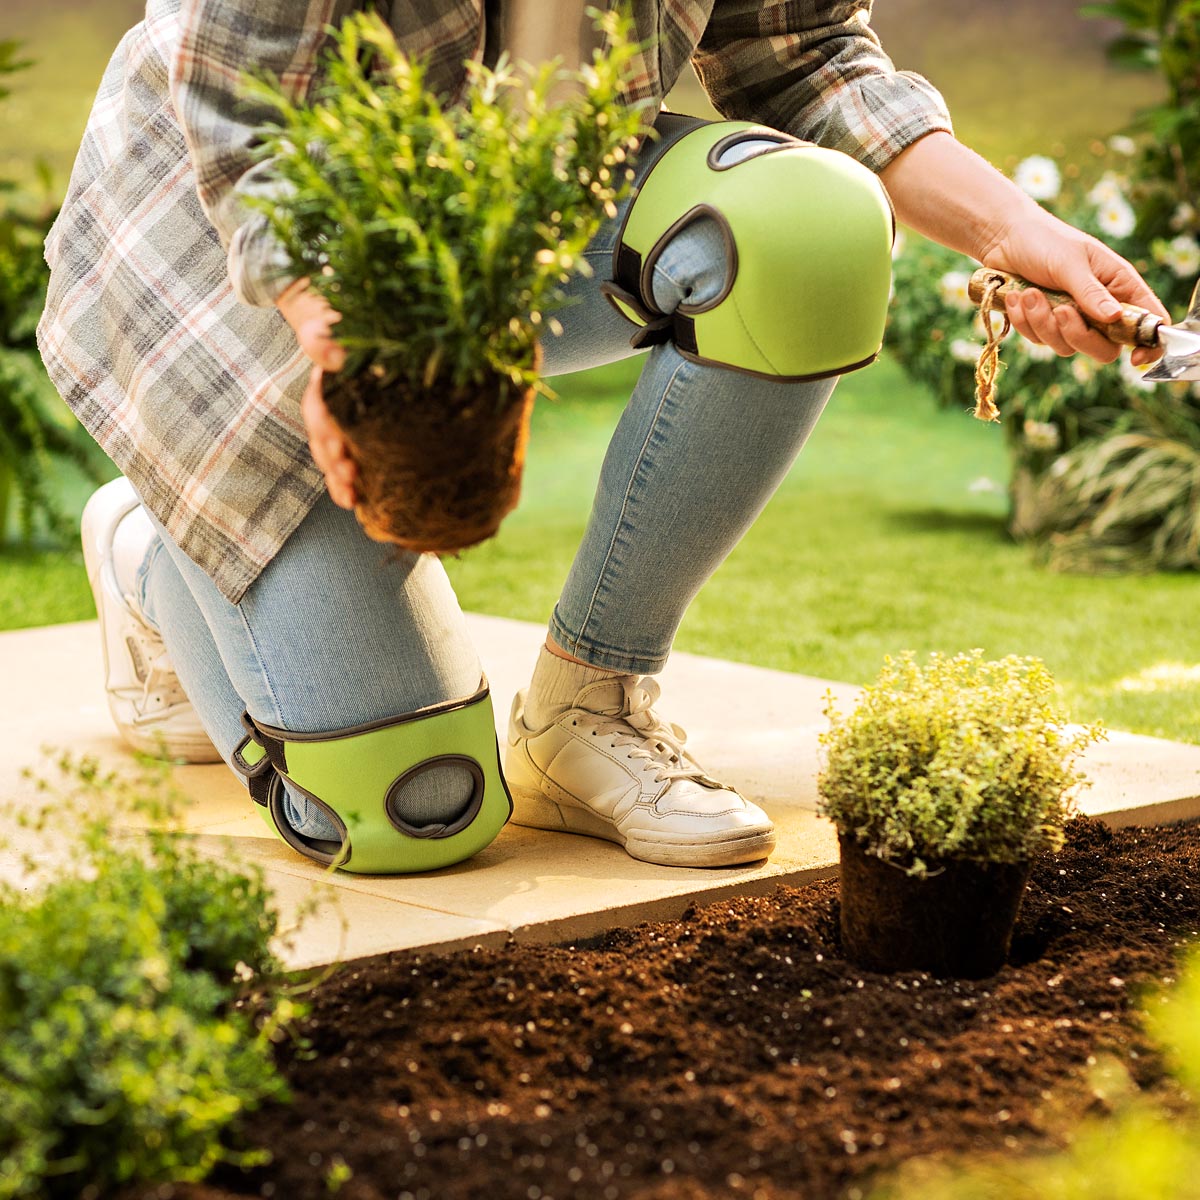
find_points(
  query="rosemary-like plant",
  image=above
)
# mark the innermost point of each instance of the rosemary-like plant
(442, 233)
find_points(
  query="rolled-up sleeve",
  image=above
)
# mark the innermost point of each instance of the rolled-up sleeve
(816, 70)
(220, 41)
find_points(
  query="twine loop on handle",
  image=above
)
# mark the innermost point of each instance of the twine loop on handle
(988, 366)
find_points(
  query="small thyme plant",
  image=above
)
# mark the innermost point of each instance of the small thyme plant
(443, 233)
(962, 758)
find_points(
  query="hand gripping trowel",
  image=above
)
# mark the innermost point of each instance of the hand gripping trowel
(1134, 327)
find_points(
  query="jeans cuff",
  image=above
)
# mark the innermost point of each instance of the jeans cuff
(611, 658)
(141, 583)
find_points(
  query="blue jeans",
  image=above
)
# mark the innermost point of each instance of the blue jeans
(340, 631)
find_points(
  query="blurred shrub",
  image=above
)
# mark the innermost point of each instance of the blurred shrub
(127, 1048)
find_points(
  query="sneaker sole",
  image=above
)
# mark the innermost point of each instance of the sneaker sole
(735, 848)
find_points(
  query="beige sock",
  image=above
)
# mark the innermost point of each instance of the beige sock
(555, 684)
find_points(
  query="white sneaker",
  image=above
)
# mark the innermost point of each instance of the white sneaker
(145, 697)
(609, 767)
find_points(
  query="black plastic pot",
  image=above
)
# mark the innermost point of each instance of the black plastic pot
(956, 922)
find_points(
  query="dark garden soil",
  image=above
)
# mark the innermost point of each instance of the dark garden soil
(729, 1053)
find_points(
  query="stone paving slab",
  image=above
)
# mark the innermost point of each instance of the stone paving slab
(757, 728)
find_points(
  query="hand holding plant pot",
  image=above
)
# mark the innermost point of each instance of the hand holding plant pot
(441, 237)
(943, 783)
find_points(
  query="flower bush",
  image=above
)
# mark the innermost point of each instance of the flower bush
(1106, 467)
(961, 758)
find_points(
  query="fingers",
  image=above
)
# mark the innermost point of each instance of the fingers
(328, 444)
(1062, 328)
(312, 318)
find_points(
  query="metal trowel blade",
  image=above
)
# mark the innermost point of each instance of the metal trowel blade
(1182, 345)
(1182, 358)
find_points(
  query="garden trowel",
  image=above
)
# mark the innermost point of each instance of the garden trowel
(1134, 327)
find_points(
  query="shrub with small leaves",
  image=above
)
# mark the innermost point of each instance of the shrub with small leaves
(127, 1050)
(443, 233)
(961, 758)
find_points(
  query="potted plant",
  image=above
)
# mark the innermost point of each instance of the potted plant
(443, 233)
(944, 782)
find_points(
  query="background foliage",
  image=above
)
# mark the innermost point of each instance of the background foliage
(36, 431)
(1105, 467)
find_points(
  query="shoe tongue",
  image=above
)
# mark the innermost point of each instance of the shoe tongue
(606, 697)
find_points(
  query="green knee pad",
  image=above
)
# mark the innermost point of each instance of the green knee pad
(808, 236)
(355, 775)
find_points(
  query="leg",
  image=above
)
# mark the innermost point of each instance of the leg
(337, 632)
(697, 454)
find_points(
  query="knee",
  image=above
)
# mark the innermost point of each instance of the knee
(781, 266)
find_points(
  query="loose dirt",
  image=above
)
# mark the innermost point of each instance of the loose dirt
(729, 1053)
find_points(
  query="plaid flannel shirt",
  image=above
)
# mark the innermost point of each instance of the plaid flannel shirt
(159, 329)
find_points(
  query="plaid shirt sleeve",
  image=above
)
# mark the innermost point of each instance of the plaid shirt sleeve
(221, 40)
(815, 68)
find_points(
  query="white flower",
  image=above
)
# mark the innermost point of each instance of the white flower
(1038, 176)
(953, 287)
(1116, 218)
(1083, 368)
(1037, 351)
(898, 245)
(1120, 144)
(1184, 217)
(1133, 375)
(962, 350)
(1181, 254)
(1106, 190)
(984, 486)
(1041, 435)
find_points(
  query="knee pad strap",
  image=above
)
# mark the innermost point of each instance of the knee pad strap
(808, 235)
(355, 775)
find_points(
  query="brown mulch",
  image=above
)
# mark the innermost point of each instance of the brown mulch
(729, 1053)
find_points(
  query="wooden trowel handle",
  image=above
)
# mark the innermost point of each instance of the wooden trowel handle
(1134, 327)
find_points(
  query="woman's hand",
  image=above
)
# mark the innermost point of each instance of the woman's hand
(947, 192)
(313, 319)
(1050, 253)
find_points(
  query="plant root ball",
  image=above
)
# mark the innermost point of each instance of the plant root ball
(438, 470)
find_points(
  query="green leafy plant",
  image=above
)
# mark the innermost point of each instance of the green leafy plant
(128, 970)
(1089, 505)
(37, 432)
(1139, 1150)
(960, 758)
(442, 233)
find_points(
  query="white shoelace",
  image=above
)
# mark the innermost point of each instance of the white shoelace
(647, 735)
(161, 682)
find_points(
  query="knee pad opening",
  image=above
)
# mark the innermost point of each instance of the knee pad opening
(436, 830)
(327, 853)
(778, 140)
(693, 214)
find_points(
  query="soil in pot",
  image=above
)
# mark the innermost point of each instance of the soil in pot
(730, 1053)
(957, 921)
(439, 467)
